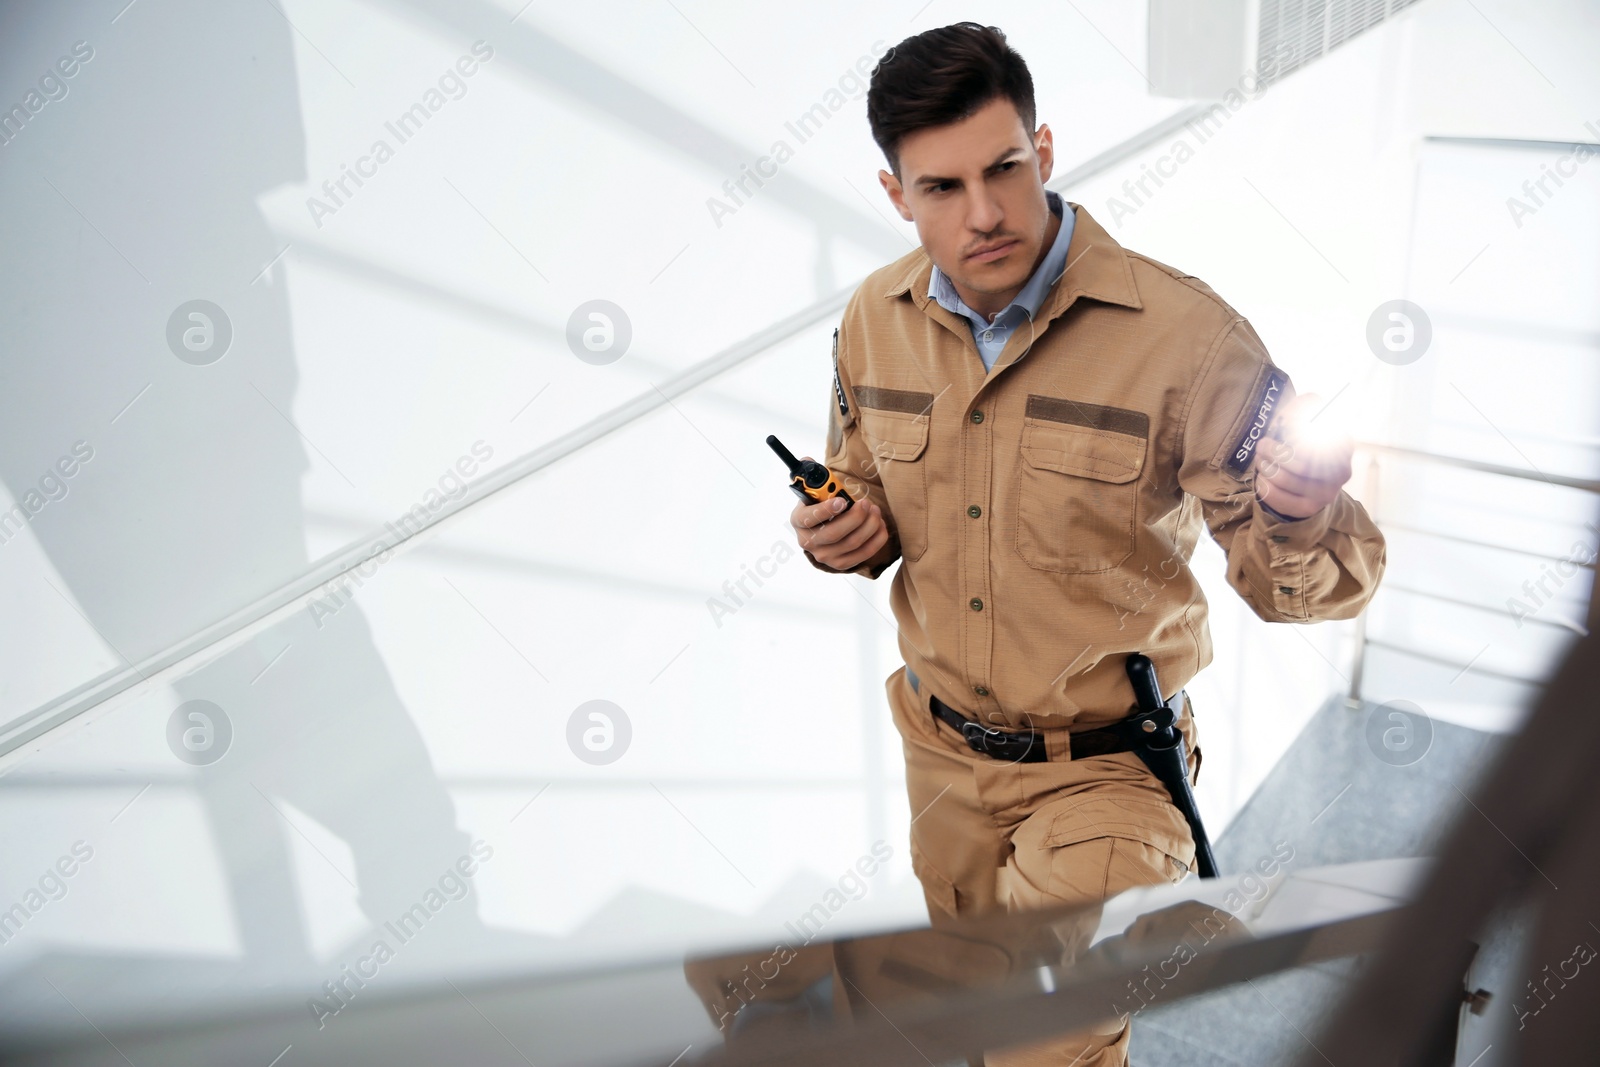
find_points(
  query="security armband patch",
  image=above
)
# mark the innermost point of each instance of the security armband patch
(838, 387)
(1258, 417)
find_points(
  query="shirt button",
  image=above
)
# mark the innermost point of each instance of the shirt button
(1286, 590)
(977, 605)
(980, 690)
(977, 416)
(1278, 539)
(988, 335)
(974, 510)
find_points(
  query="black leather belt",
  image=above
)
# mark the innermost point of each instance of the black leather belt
(1027, 746)
(1150, 733)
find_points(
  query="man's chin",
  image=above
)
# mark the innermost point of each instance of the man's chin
(1002, 278)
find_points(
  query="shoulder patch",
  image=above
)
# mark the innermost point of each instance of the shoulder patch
(838, 388)
(1258, 416)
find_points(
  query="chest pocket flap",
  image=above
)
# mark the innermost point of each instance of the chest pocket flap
(894, 434)
(1081, 450)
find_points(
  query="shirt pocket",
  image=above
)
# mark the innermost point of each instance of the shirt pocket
(898, 442)
(1078, 492)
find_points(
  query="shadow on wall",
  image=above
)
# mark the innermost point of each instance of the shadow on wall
(127, 194)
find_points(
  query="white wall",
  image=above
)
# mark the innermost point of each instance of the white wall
(427, 315)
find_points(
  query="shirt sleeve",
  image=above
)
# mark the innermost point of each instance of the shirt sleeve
(1324, 566)
(848, 456)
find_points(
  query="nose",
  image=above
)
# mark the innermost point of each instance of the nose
(984, 215)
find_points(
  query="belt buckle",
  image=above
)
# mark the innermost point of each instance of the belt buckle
(979, 737)
(996, 743)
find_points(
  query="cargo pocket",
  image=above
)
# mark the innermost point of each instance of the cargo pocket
(1086, 848)
(898, 441)
(1078, 492)
(1144, 833)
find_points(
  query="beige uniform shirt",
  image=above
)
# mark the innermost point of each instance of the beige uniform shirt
(1044, 512)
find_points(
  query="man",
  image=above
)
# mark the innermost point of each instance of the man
(1036, 423)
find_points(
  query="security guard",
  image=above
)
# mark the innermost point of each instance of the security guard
(1037, 422)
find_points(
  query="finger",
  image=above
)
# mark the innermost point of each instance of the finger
(1291, 504)
(1273, 456)
(842, 525)
(808, 516)
(871, 522)
(1333, 471)
(1312, 449)
(1289, 482)
(804, 516)
(866, 551)
(862, 534)
(1330, 463)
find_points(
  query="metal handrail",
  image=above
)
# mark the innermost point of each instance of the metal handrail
(1565, 481)
(989, 982)
(1477, 542)
(1488, 609)
(1377, 449)
(116, 687)
(1447, 661)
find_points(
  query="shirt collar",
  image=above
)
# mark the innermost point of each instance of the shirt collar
(941, 289)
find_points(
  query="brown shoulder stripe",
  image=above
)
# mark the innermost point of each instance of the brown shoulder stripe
(908, 400)
(1094, 416)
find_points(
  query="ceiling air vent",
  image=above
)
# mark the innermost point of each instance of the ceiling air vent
(1313, 28)
(1204, 51)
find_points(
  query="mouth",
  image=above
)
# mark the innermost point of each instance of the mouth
(990, 253)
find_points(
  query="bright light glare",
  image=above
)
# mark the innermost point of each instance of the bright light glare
(1314, 427)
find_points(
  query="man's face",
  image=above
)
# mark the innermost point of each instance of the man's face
(975, 190)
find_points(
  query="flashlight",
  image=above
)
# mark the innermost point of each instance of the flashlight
(1316, 432)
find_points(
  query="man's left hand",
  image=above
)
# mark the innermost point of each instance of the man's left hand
(1301, 474)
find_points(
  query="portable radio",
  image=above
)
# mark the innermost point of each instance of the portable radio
(811, 481)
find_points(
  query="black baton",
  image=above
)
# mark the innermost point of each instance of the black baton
(1154, 736)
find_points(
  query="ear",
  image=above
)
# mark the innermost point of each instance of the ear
(1044, 148)
(891, 185)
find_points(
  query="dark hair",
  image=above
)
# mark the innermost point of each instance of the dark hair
(942, 76)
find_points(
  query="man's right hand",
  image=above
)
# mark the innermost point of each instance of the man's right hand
(841, 540)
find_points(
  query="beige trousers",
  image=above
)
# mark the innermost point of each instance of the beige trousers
(986, 837)
(989, 835)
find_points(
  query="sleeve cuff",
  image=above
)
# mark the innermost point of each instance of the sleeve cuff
(1279, 515)
(1299, 533)
(866, 570)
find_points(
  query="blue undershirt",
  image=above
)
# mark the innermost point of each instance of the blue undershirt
(991, 335)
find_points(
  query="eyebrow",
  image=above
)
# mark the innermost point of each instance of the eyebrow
(928, 179)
